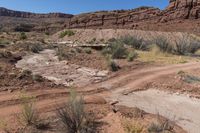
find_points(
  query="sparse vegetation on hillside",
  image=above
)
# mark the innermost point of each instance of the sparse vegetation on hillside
(116, 49)
(66, 33)
(184, 45)
(135, 42)
(163, 44)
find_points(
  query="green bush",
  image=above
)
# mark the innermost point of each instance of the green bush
(92, 41)
(88, 50)
(186, 45)
(28, 114)
(23, 36)
(116, 49)
(161, 126)
(4, 41)
(131, 56)
(135, 42)
(67, 33)
(112, 65)
(163, 44)
(73, 115)
(47, 33)
(37, 78)
(35, 48)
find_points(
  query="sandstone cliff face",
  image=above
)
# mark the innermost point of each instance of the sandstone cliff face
(132, 19)
(114, 19)
(186, 9)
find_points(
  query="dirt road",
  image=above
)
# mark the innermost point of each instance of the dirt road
(179, 108)
(116, 86)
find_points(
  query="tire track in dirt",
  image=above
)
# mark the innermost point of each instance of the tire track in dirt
(9, 102)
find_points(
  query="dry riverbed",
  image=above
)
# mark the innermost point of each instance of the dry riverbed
(48, 65)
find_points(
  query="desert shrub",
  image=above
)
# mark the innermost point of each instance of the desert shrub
(37, 78)
(113, 66)
(161, 126)
(78, 49)
(186, 45)
(92, 41)
(23, 36)
(47, 33)
(106, 51)
(188, 78)
(132, 127)
(60, 52)
(73, 115)
(4, 41)
(116, 50)
(135, 42)
(64, 53)
(132, 55)
(25, 74)
(28, 114)
(66, 33)
(88, 50)
(163, 44)
(35, 48)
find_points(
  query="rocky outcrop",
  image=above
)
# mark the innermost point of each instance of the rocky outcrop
(11, 13)
(114, 19)
(185, 9)
(136, 18)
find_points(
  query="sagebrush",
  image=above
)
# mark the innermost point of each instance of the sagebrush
(73, 115)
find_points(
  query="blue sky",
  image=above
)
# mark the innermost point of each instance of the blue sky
(78, 6)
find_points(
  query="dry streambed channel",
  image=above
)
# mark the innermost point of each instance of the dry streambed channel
(179, 108)
(47, 64)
